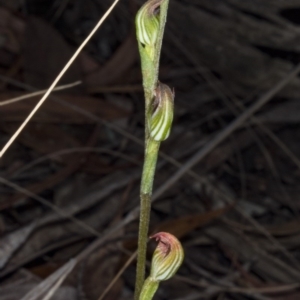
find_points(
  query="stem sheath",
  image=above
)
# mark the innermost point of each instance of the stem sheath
(149, 289)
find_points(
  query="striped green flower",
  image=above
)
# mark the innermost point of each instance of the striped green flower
(167, 258)
(161, 114)
(147, 25)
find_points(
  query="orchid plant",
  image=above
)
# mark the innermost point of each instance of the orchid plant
(159, 99)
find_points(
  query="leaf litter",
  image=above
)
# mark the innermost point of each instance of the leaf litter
(224, 56)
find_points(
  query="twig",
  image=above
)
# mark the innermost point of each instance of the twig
(118, 275)
(38, 93)
(133, 215)
(55, 208)
(53, 282)
(235, 124)
(75, 150)
(19, 130)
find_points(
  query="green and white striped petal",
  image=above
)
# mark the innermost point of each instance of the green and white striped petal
(161, 116)
(147, 25)
(167, 258)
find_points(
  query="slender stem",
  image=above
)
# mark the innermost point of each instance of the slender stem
(163, 19)
(151, 153)
(150, 71)
(149, 289)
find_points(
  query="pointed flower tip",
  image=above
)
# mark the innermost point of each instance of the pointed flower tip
(167, 258)
(162, 111)
(147, 25)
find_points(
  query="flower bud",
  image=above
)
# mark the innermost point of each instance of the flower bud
(167, 257)
(161, 114)
(147, 25)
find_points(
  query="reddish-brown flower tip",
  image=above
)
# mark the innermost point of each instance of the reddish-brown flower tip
(167, 257)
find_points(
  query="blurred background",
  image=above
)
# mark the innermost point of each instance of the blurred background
(70, 183)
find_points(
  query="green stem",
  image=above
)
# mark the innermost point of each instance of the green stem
(149, 288)
(151, 153)
(150, 71)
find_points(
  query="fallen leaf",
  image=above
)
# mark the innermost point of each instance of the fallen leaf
(51, 283)
(183, 225)
(290, 296)
(43, 138)
(286, 112)
(45, 54)
(99, 271)
(122, 60)
(12, 28)
(53, 112)
(13, 241)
